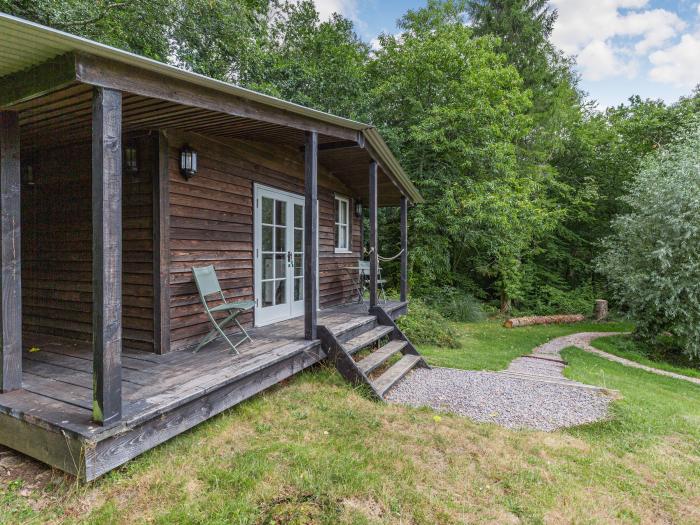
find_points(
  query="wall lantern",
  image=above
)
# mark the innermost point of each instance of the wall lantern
(188, 162)
(28, 176)
(358, 208)
(131, 159)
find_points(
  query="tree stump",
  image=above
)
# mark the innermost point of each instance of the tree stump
(601, 310)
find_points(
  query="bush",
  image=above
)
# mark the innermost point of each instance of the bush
(652, 259)
(424, 325)
(456, 305)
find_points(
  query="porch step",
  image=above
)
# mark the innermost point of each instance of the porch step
(389, 378)
(364, 340)
(380, 356)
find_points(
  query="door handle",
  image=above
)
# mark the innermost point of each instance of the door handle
(290, 260)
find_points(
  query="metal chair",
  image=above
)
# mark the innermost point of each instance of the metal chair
(363, 267)
(208, 284)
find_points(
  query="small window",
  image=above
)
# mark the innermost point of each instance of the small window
(342, 225)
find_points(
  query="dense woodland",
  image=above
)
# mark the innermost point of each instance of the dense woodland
(522, 173)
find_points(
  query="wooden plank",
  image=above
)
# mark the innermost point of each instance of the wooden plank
(107, 243)
(38, 80)
(161, 252)
(116, 75)
(311, 233)
(380, 356)
(373, 243)
(389, 378)
(404, 249)
(10, 243)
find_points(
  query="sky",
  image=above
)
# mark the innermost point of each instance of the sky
(649, 48)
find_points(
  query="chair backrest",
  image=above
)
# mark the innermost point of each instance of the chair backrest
(207, 283)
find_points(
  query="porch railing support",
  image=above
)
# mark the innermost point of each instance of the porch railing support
(10, 278)
(310, 229)
(404, 248)
(106, 254)
(373, 255)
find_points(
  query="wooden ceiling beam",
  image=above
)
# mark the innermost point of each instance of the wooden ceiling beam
(38, 80)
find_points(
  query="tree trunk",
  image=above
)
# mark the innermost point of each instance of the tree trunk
(543, 319)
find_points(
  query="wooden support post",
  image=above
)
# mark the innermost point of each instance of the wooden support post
(106, 254)
(373, 259)
(404, 248)
(161, 248)
(310, 235)
(10, 280)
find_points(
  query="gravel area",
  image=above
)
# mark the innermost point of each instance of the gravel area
(532, 393)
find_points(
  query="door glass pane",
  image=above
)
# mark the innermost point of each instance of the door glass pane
(280, 265)
(298, 288)
(267, 297)
(280, 291)
(280, 213)
(267, 266)
(267, 211)
(267, 239)
(298, 240)
(298, 265)
(280, 239)
(298, 216)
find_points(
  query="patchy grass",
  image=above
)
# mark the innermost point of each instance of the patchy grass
(489, 346)
(660, 355)
(316, 451)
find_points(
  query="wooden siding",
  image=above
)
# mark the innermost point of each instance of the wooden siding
(57, 245)
(211, 222)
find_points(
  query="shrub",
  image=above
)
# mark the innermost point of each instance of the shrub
(652, 258)
(456, 305)
(424, 325)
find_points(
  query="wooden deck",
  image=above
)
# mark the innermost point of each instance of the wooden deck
(163, 395)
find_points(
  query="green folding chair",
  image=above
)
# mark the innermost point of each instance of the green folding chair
(208, 284)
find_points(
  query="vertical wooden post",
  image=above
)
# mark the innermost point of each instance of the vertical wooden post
(106, 254)
(404, 248)
(10, 279)
(373, 259)
(161, 247)
(310, 234)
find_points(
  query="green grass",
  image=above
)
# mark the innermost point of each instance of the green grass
(656, 355)
(317, 451)
(489, 346)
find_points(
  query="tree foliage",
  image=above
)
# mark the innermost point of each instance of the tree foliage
(652, 259)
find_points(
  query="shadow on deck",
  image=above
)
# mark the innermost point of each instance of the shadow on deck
(162, 395)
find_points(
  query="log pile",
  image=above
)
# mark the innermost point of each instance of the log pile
(543, 319)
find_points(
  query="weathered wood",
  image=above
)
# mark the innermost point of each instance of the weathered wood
(116, 75)
(10, 243)
(404, 248)
(366, 339)
(380, 356)
(389, 378)
(373, 242)
(600, 310)
(161, 251)
(543, 319)
(107, 244)
(386, 318)
(38, 80)
(310, 235)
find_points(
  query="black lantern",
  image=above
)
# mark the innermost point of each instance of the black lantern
(28, 176)
(358, 208)
(131, 159)
(188, 162)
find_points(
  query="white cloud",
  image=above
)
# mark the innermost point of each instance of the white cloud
(347, 8)
(610, 36)
(677, 65)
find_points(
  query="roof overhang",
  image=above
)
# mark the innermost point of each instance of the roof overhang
(36, 60)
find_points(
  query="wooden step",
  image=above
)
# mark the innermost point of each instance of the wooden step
(378, 357)
(356, 344)
(389, 378)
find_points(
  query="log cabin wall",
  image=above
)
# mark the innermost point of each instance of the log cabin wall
(57, 244)
(211, 222)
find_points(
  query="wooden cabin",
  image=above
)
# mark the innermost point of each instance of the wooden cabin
(101, 228)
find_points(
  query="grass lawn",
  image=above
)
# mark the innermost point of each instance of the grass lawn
(648, 354)
(315, 450)
(489, 346)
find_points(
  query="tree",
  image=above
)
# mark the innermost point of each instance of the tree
(652, 260)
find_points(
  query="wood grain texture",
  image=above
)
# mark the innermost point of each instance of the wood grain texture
(373, 242)
(107, 255)
(404, 249)
(311, 232)
(38, 80)
(161, 248)
(10, 244)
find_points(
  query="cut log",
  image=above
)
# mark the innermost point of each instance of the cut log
(600, 311)
(543, 319)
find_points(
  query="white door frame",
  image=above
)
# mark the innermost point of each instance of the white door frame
(289, 309)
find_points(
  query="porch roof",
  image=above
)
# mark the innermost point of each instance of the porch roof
(26, 45)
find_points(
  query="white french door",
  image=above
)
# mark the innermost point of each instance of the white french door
(279, 255)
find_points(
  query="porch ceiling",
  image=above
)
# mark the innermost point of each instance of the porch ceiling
(64, 116)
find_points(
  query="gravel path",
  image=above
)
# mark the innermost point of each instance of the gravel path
(531, 393)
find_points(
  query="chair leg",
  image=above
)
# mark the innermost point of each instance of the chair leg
(219, 329)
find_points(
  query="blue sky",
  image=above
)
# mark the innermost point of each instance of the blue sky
(623, 47)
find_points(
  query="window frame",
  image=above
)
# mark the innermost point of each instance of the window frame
(338, 201)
